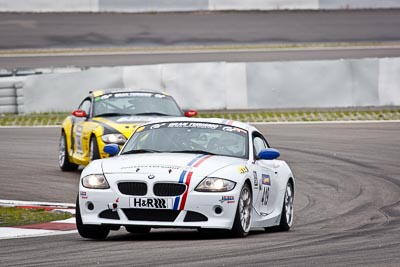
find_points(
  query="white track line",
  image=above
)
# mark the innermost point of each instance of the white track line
(6, 202)
(15, 232)
(11, 233)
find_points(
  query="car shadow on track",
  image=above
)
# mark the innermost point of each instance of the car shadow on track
(177, 235)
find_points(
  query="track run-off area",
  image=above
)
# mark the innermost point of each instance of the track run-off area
(43, 40)
(347, 205)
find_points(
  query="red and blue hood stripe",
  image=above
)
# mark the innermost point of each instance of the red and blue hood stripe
(185, 177)
(228, 122)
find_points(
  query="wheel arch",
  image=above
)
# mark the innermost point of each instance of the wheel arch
(68, 142)
(237, 229)
(291, 181)
(281, 200)
(97, 132)
(248, 181)
(99, 144)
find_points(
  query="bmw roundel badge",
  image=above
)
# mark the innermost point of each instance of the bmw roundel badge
(151, 176)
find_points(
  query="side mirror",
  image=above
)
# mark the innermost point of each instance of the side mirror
(269, 154)
(190, 113)
(111, 149)
(79, 113)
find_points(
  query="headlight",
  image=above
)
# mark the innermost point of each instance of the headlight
(215, 185)
(95, 181)
(114, 139)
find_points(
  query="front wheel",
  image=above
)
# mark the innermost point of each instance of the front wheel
(89, 231)
(242, 222)
(63, 160)
(287, 209)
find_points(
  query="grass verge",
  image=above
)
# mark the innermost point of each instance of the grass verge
(50, 119)
(14, 216)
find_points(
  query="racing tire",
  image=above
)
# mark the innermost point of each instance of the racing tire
(242, 221)
(97, 232)
(63, 160)
(287, 209)
(94, 149)
(138, 229)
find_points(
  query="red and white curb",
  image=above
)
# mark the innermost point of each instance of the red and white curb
(50, 228)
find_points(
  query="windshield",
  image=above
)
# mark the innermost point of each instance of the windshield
(189, 137)
(135, 103)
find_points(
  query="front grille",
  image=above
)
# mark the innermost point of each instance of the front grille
(109, 214)
(192, 216)
(133, 188)
(169, 189)
(151, 215)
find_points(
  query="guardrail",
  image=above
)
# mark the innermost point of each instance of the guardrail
(138, 6)
(219, 85)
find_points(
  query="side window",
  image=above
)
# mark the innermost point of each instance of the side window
(85, 105)
(259, 143)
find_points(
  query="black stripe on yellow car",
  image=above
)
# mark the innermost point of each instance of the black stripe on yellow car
(111, 127)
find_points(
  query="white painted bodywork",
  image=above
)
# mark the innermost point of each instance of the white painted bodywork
(170, 167)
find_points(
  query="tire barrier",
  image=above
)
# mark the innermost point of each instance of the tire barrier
(11, 95)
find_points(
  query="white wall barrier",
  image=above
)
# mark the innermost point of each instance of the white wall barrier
(49, 6)
(137, 6)
(357, 4)
(64, 91)
(262, 4)
(338, 83)
(389, 82)
(228, 86)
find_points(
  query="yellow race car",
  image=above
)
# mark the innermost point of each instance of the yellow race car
(110, 116)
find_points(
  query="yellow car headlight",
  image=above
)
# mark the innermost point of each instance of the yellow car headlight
(114, 139)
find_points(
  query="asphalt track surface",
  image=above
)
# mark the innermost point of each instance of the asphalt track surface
(104, 30)
(144, 58)
(347, 205)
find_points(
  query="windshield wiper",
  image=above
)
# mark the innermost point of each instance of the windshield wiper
(193, 152)
(152, 113)
(138, 151)
(113, 114)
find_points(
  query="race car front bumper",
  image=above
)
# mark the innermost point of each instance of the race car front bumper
(201, 210)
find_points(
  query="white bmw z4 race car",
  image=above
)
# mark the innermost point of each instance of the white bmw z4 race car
(190, 173)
